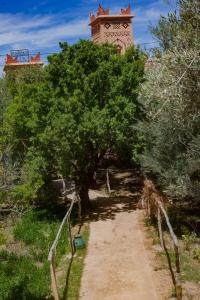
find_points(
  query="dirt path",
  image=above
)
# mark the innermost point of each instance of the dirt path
(118, 266)
(120, 263)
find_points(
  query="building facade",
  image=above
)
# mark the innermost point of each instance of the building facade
(18, 59)
(112, 29)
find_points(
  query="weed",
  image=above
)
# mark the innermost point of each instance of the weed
(189, 239)
(155, 241)
(190, 270)
(196, 253)
(173, 292)
(2, 238)
(147, 222)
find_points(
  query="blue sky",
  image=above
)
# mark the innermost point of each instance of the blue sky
(40, 25)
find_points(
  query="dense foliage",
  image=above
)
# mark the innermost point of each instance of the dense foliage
(171, 100)
(61, 125)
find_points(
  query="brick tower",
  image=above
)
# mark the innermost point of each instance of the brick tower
(113, 29)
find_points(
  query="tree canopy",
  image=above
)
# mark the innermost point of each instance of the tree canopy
(84, 104)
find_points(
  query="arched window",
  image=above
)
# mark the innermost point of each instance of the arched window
(119, 49)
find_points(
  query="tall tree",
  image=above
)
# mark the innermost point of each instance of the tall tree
(171, 100)
(86, 104)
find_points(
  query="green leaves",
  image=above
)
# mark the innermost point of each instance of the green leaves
(85, 104)
(170, 97)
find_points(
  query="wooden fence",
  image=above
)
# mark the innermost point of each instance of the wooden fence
(154, 203)
(52, 252)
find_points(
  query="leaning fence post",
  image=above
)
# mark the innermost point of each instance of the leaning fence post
(178, 274)
(178, 284)
(153, 196)
(53, 278)
(160, 228)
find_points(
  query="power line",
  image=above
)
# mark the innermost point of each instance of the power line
(50, 53)
(148, 43)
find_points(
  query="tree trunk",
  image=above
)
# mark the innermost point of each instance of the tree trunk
(87, 180)
(84, 195)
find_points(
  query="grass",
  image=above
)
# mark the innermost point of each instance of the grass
(77, 268)
(190, 270)
(37, 230)
(189, 254)
(73, 287)
(24, 270)
(2, 238)
(20, 278)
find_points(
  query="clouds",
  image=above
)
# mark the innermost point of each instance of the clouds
(144, 16)
(39, 31)
(45, 31)
(151, 12)
(14, 22)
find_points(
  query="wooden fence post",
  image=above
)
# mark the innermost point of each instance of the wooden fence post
(156, 199)
(108, 181)
(178, 274)
(160, 228)
(52, 252)
(53, 278)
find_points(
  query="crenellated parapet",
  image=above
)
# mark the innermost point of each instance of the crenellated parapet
(21, 58)
(114, 29)
(106, 12)
(127, 11)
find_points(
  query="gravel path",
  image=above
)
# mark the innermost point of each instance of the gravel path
(117, 266)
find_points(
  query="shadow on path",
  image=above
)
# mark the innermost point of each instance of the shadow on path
(106, 208)
(126, 193)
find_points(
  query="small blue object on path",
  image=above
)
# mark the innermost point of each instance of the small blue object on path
(79, 242)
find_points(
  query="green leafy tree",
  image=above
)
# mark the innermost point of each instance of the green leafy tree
(171, 100)
(6, 170)
(86, 104)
